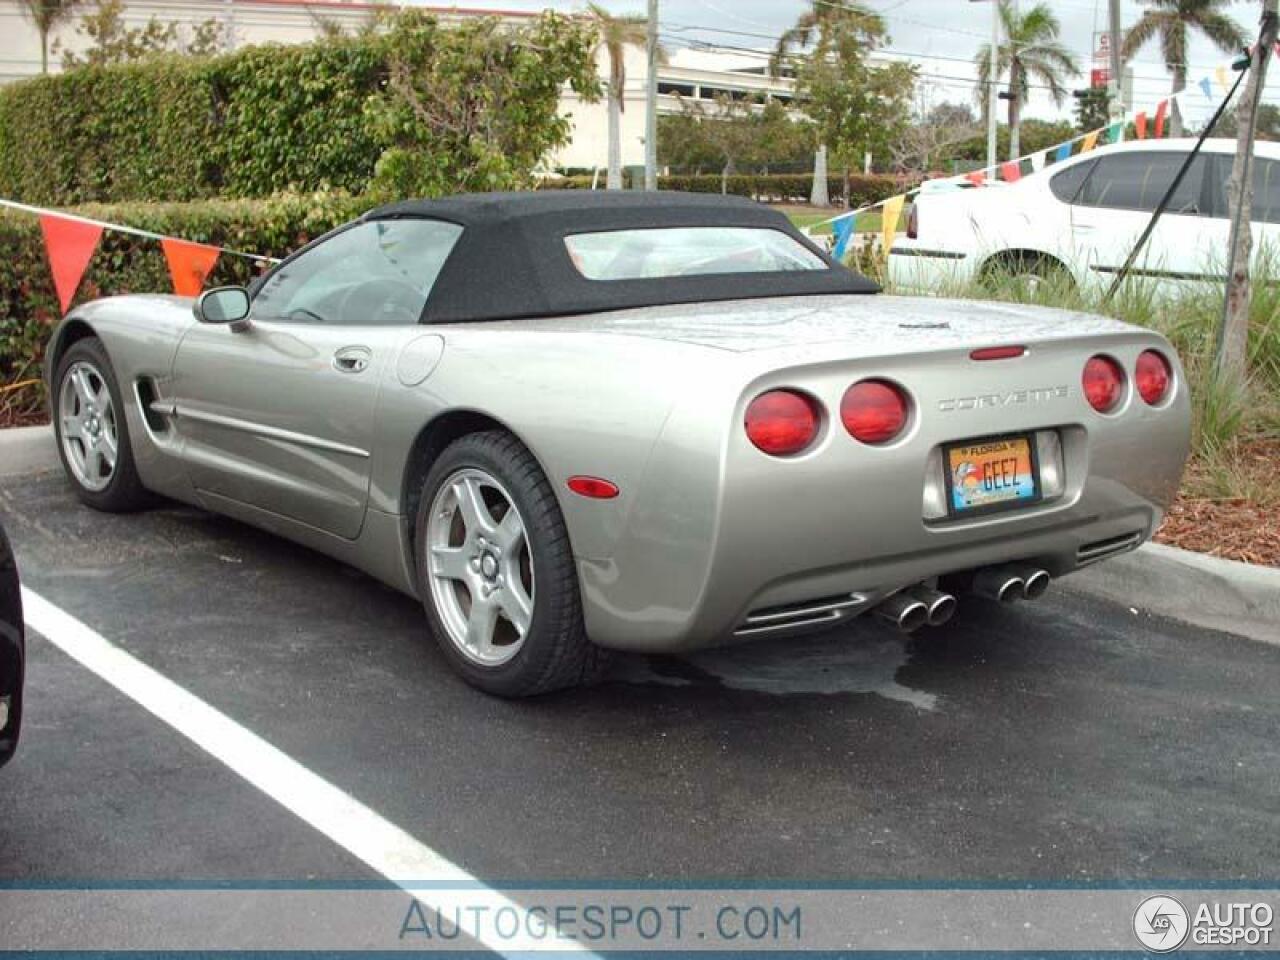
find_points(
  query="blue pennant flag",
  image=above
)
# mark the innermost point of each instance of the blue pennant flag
(1063, 153)
(843, 230)
(1206, 87)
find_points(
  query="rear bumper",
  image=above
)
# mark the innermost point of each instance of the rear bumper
(713, 544)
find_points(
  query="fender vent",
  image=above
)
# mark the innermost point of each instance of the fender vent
(145, 388)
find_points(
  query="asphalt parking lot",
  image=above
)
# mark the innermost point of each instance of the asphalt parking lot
(1070, 740)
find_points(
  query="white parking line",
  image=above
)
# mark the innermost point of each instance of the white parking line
(402, 859)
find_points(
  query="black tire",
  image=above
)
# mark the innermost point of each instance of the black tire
(124, 491)
(555, 652)
(1030, 267)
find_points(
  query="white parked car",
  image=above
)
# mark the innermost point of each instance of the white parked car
(1081, 217)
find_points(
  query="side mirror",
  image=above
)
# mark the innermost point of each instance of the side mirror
(230, 305)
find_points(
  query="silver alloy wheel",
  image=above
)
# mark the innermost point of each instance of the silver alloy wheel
(481, 567)
(87, 420)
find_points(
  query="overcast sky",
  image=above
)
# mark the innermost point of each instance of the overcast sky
(942, 36)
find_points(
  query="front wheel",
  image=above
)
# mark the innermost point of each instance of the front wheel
(496, 572)
(92, 431)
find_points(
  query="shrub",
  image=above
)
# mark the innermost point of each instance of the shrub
(307, 117)
(775, 187)
(124, 263)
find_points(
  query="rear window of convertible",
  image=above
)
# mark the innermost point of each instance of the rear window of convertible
(687, 251)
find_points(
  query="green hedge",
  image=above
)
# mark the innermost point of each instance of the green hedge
(124, 263)
(250, 123)
(414, 106)
(792, 187)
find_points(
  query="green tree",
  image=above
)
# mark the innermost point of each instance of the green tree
(813, 31)
(46, 15)
(1031, 51)
(111, 41)
(856, 107)
(616, 33)
(1093, 108)
(1171, 21)
(475, 106)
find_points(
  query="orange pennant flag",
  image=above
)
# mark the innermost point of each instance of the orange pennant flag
(1161, 108)
(1012, 170)
(1089, 142)
(189, 264)
(1140, 125)
(977, 178)
(70, 245)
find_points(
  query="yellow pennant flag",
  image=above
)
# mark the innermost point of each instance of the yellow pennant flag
(1090, 142)
(889, 226)
(1221, 74)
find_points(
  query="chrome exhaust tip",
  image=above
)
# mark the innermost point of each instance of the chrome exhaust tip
(904, 611)
(1034, 582)
(940, 606)
(999, 583)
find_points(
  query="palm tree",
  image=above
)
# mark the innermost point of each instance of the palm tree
(616, 34)
(1031, 50)
(1171, 20)
(47, 14)
(805, 32)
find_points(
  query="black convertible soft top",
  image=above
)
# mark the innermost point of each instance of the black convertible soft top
(511, 260)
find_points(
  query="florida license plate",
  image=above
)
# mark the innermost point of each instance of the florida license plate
(994, 474)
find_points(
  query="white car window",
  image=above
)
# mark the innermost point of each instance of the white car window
(377, 273)
(687, 251)
(1138, 181)
(1066, 184)
(1266, 189)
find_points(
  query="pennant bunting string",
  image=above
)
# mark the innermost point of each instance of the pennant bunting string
(889, 227)
(189, 264)
(69, 245)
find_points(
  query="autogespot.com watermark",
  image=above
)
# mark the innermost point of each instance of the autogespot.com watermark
(445, 918)
(1162, 924)
(672, 924)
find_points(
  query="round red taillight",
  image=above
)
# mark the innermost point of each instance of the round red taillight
(874, 411)
(782, 422)
(1151, 376)
(1103, 383)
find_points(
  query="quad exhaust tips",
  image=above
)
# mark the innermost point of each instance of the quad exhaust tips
(1009, 583)
(914, 608)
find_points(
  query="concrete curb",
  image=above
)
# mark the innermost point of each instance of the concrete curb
(27, 450)
(1205, 591)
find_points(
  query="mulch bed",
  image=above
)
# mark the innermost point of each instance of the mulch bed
(1235, 529)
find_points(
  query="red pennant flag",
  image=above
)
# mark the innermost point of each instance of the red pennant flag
(1140, 125)
(977, 178)
(1012, 170)
(189, 264)
(1161, 109)
(70, 245)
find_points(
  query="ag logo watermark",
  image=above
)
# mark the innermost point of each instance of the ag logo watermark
(1161, 924)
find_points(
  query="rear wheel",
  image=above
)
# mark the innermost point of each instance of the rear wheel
(1030, 274)
(92, 431)
(496, 573)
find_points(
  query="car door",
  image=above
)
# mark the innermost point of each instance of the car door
(278, 413)
(1115, 204)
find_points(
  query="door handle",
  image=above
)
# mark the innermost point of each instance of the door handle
(352, 359)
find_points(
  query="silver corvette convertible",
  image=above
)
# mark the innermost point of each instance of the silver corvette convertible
(569, 422)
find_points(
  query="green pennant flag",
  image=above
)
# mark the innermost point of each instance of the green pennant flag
(1115, 132)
